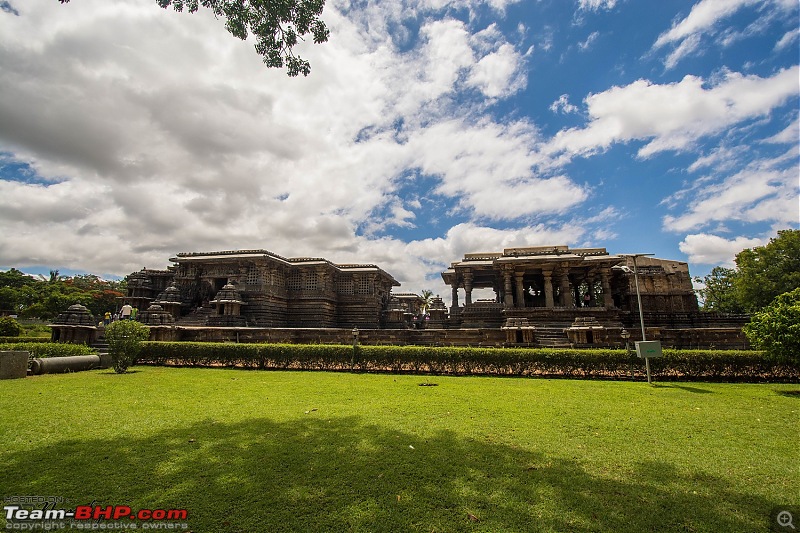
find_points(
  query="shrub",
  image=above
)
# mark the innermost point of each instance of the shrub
(23, 339)
(124, 343)
(48, 349)
(776, 329)
(602, 363)
(9, 327)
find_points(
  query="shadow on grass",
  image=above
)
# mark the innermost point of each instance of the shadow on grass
(695, 390)
(338, 474)
(789, 393)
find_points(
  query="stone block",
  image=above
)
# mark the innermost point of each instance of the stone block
(13, 364)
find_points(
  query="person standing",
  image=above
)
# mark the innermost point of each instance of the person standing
(134, 312)
(125, 312)
(107, 318)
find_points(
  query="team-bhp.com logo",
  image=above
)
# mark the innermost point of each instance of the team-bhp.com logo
(25, 514)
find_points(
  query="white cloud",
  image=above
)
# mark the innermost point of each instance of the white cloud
(596, 5)
(488, 167)
(164, 134)
(787, 39)
(673, 116)
(704, 18)
(498, 73)
(709, 249)
(756, 194)
(562, 105)
(585, 45)
(790, 135)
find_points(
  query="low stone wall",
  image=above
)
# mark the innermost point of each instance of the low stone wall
(721, 338)
(431, 337)
(713, 338)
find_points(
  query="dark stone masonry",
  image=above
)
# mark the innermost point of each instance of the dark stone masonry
(541, 296)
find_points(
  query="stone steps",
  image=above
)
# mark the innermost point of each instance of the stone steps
(551, 337)
(197, 318)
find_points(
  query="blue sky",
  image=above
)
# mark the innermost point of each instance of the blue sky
(427, 129)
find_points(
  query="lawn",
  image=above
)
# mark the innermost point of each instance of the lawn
(252, 451)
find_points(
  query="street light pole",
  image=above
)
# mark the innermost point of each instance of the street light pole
(638, 294)
(639, 300)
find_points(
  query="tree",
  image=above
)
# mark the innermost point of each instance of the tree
(767, 271)
(776, 329)
(9, 327)
(427, 296)
(719, 294)
(125, 342)
(277, 25)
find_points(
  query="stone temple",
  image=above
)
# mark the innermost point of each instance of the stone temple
(556, 283)
(257, 288)
(539, 296)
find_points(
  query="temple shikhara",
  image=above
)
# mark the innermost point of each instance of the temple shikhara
(531, 296)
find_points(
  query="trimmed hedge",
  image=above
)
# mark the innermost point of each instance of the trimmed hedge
(729, 365)
(49, 349)
(16, 340)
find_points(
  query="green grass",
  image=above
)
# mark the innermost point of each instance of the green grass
(301, 451)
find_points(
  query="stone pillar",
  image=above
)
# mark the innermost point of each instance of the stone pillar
(468, 288)
(520, 289)
(566, 296)
(509, 296)
(454, 307)
(548, 289)
(590, 288)
(608, 302)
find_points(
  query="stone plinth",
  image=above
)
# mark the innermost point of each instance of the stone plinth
(519, 331)
(13, 364)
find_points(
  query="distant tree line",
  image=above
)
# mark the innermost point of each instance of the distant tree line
(766, 284)
(761, 275)
(30, 297)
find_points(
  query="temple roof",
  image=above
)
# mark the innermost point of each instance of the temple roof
(202, 257)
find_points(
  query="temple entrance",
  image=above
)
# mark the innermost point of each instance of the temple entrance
(219, 283)
(534, 290)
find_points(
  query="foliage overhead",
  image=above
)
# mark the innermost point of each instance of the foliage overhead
(278, 25)
(776, 329)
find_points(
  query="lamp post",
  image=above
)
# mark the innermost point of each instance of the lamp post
(355, 346)
(639, 300)
(625, 334)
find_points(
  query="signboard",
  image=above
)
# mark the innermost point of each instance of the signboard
(648, 349)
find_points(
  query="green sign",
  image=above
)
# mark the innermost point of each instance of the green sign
(648, 349)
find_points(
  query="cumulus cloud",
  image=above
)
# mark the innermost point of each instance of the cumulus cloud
(709, 249)
(673, 116)
(153, 132)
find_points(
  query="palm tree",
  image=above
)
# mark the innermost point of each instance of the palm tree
(427, 296)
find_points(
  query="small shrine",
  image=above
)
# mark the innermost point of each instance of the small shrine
(75, 325)
(228, 304)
